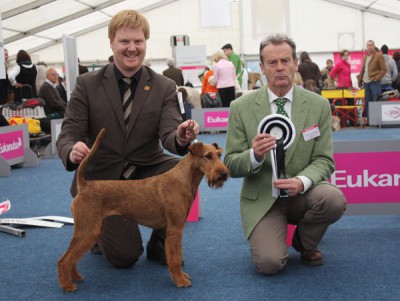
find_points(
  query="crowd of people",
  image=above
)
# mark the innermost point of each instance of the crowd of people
(26, 80)
(225, 76)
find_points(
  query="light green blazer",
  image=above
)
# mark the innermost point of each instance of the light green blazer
(313, 159)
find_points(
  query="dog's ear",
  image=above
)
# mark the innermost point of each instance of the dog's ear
(217, 147)
(219, 150)
(196, 149)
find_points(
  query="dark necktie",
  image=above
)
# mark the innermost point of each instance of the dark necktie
(127, 108)
(280, 102)
(127, 100)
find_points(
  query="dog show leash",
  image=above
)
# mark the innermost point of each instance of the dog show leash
(191, 128)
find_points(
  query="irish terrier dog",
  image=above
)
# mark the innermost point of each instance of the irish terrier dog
(159, 202)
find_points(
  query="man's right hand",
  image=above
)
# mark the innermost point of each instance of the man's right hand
(263, 143)
(79, 151)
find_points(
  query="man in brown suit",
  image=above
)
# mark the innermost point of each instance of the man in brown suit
(372, 71)
(131, 148)
(174, 73)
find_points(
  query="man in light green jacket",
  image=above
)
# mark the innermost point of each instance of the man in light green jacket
(313, 203)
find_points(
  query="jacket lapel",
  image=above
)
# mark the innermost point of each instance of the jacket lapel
(262, 107)
(111, 89)
(299, 113)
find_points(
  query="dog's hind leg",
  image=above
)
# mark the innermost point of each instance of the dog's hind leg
(173, 250)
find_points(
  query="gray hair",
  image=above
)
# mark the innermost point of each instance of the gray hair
(170, 62)
(277, 39)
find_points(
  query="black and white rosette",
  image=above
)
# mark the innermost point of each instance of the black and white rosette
(284, 131)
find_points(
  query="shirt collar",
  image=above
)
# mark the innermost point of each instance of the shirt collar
(120, 76)
(272, 96)
(53, 85)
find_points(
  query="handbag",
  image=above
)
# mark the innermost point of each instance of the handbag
(211, 100)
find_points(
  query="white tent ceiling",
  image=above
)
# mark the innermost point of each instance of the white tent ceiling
(36, 24)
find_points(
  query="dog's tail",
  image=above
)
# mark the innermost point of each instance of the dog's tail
(80, 178)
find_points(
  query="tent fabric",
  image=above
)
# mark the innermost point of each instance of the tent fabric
(36, 24)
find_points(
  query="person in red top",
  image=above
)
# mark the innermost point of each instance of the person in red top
(341, 73)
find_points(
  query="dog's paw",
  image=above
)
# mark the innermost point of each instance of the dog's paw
(70, 288)
(77, 277)
(183, 281)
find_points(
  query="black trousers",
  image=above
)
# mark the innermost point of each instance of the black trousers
(227, 95)
(120, 240)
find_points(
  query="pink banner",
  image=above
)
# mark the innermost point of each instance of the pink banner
(12, 145)
(216, 119)
(368, 177)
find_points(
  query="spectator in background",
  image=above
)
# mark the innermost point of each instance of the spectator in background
(208, 84)
(235, 59)
(396, 57)
(245, 76)
(329, 64)
(54, 105)
(341, 73)
(310, 85)
(5, 85)
(62, 88)
(308, 69)
(391, 73)
(111, 59)
(298, 80)
(373, 69)
(224, 78)
(174, 73)
(82, 69)
(23, 73)
(41, 75)
(325, 73)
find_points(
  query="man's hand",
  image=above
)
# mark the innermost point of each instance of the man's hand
(293, 185)
(263, 143)
(79, 151)
(187, 132)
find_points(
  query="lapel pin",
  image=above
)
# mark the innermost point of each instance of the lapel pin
(147, 88)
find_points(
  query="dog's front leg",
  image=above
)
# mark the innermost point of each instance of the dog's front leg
(173, 250)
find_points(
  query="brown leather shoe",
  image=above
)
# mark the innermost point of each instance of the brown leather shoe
(308, 257)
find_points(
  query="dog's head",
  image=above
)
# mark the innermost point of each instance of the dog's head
(208, 160)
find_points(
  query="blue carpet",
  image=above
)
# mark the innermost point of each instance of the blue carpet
(361, 252)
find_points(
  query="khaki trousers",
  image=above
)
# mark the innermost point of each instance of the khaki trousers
(312, 212)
